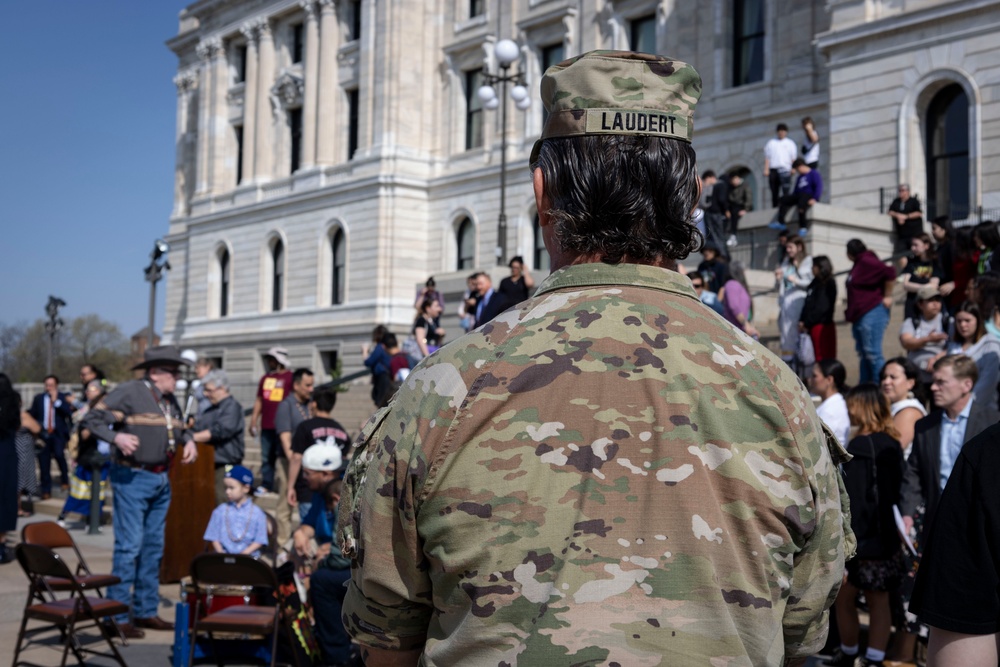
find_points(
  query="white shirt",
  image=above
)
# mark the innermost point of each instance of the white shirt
(833, 412)
(781, 153)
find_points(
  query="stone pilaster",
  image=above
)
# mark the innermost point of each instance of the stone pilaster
(219, 123)
(249, 31)
(205, 50)
(311, 83)
(265, 117)
(186, 82)
(329, 88)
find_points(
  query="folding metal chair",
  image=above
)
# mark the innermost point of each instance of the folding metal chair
(43, 565)
(235, 570)
(52, 536)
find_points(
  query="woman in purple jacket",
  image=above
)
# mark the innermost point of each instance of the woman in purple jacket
(869, 298)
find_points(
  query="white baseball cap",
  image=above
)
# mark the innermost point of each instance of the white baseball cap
(323, 456)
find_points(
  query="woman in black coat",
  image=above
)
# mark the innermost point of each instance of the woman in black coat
(873, 479)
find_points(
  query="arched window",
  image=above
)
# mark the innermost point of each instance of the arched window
(542, 260)
(277, 275)
(223, 282)
(466, 245)
(948, 153)
(338, 250)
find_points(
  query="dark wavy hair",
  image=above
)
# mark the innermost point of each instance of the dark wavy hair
(824, 268)
(911, 372)
(625, 198)
(831, 368)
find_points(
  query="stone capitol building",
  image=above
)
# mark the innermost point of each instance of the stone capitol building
(333, 154)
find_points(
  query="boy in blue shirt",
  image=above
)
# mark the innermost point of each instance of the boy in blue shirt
(238, 526)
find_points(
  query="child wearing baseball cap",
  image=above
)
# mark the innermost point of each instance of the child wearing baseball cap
(237, 526)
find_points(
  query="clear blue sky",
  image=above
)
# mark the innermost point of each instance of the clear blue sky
(86, 155)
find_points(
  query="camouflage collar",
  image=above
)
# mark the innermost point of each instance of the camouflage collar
(634, 275)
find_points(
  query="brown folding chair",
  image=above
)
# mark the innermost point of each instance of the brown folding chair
(209, 570)
(52, 536)
(43, 565)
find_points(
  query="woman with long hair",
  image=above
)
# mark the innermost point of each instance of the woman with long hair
(816, 318)
(91, 454)
(794, 276)
(426, 330)
(873, 478)
(900, 382)
(922, 269)
(972, 340)
(737, 304)
(10, 422)
(829, 382)
(943, 234)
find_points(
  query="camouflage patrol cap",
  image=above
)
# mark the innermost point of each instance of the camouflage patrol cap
(619, 92)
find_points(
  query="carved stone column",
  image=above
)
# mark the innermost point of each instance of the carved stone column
(265, 118)
(311, 80)
(249, 31)
(326, 131)
(186, 82)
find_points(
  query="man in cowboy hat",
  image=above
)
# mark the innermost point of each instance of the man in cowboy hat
(144, 422)
(274, 387)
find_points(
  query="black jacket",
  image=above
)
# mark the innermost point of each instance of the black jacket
(922, 475)
(873, 490)
(496, 305)
(821, 299)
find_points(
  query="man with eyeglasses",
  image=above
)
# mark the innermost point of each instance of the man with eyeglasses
(143, 421)
(907, 219)
(221, 425)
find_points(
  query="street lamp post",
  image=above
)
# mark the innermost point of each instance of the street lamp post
(157, 265)
(52, 326)
(506, 52)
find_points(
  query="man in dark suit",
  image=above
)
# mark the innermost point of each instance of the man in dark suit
(53, 410)
(492, 302)
(938, 438)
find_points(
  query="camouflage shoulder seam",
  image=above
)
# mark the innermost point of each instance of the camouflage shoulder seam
(442, 452)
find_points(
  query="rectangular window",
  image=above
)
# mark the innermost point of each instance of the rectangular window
(476, 8)
(298, 37)
(238, 131)
(295, 127)
(352, 123)
(642, 34)
(354, 19)
(473, 110)
(240, 73)
(551, 55)
(748, 41)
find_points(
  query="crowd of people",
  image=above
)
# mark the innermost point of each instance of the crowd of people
(498, 508)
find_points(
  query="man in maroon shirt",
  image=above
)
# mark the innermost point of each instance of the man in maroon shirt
(274, 386)
(869, 298)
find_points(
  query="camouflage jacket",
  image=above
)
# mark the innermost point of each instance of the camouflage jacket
(608, 474)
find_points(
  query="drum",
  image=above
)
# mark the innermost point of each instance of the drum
(215, 598)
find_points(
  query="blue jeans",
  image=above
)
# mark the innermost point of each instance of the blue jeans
(141, 499)
(269, 445)
(327, 591)
(868, 332)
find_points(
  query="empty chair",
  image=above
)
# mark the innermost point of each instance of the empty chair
(52, 536)
(43, 565)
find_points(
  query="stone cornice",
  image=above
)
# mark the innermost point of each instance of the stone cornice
(871, 30)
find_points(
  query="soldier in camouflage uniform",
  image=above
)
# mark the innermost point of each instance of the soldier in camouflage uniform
(609, 474)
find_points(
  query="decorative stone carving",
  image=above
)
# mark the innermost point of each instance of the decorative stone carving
(309, 7)
(186, 80)
(249, 30)
(327, 5)
(288, 91)
(235, 96)
(209, 48)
